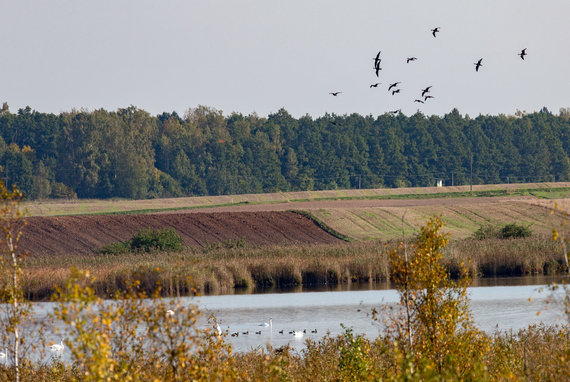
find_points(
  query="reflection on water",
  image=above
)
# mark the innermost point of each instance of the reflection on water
(495, 306)
(384, 285)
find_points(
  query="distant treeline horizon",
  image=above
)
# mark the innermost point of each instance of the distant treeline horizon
(129, 153)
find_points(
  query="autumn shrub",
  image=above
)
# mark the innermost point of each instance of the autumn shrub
(137, 337)
(433, 327)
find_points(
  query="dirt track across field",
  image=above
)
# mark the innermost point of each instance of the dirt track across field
(359, 203)
(87, 233)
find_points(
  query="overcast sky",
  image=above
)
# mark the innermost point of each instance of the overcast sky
(261, 55)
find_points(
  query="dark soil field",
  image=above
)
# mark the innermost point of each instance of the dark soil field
(87, 233)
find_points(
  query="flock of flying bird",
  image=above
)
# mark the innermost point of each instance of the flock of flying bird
(393, 87)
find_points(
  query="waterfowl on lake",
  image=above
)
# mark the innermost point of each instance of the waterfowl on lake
(57, 348)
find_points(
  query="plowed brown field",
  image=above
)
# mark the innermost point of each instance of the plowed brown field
(87, 233)
(265, 219)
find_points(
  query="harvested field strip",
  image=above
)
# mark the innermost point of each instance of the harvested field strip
(75, 207)
(385, 223)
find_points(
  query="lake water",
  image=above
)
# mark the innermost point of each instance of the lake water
(497, 304)
(498, 307)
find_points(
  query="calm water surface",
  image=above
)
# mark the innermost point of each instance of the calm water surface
(497, 304)
(498, 307)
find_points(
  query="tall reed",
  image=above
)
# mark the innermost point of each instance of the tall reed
(223, 270)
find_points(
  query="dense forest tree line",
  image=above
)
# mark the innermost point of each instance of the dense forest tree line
(132, 154)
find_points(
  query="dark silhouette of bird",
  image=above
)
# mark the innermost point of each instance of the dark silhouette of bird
(393, 85)
(428, 97)
(258, 332)
(314, 331)
(375, 85)
(410, 59)
(478, 64)
(281, 331)
(426, 90)
(395, 91)
(335, 93)
(522, 53)
(434, 31)
(396, 111)
(377, 70)
(377, 59)
(418, 100)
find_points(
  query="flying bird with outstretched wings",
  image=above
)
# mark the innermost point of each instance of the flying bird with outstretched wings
(375, 85)
(478, 64)
(410, 59)
(522, 53)
(377, 61)
(393, 85)
(434, 31)
(335, 93)
(426, 90)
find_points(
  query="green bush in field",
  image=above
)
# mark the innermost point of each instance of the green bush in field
(162, 239)
(515, 230)
(147, 240)
(116, 248)
(509, 231)
(486, 231)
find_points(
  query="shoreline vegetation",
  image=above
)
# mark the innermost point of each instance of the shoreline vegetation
(233, 266)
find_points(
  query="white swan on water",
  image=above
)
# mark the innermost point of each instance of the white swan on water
(57, 348)
(270, 324)
(298, 334)
(4, 356)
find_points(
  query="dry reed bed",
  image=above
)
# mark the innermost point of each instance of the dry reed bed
(223, 270)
